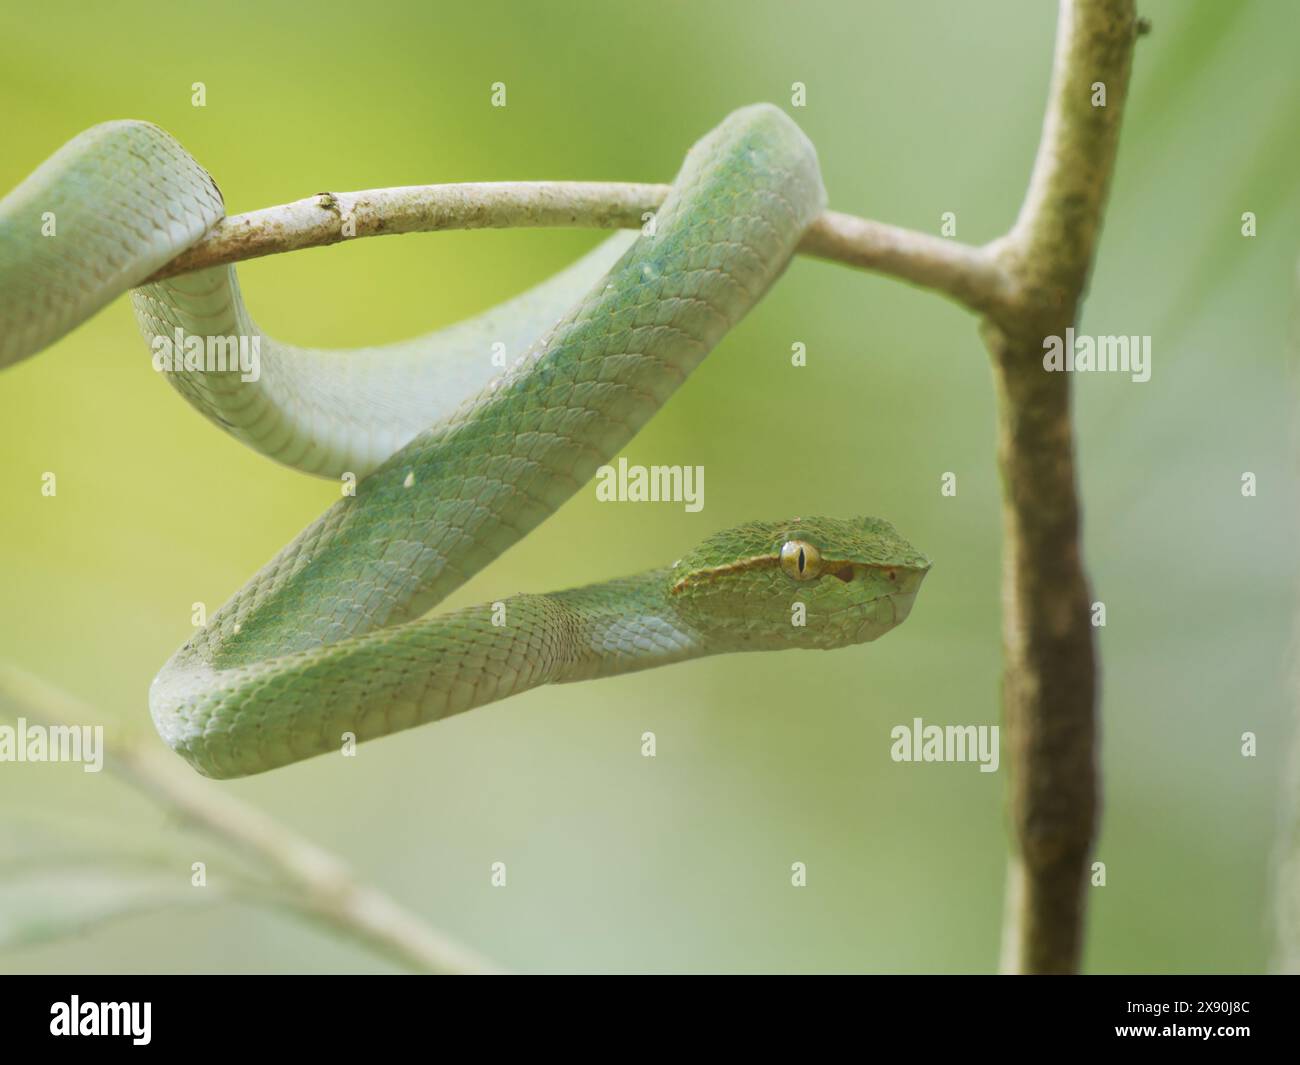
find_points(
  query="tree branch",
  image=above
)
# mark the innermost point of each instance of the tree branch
(1049, 657)
(971, 276)
(322, 887)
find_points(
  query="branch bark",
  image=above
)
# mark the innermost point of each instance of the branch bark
(319, 884)
(967, 274)
(1049, 654)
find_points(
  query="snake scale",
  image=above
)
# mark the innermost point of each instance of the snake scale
(457, 459)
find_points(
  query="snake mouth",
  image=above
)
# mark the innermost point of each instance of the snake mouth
(879, 619)
(881, 614)
(901, 603)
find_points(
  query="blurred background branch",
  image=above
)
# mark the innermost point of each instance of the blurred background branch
(1286, 853)
(307, 879)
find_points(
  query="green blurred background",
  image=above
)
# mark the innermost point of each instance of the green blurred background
(682, 862)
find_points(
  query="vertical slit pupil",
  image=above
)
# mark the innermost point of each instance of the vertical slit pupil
(801, 560)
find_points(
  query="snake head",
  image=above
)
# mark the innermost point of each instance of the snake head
(805, 582)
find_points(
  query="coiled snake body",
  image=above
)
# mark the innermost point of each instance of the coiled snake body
(457, 459)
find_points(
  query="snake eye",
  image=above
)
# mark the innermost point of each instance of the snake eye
(801, 560)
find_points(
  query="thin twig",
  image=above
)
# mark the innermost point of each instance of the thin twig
(970, 275)
(1049, 654)
(323, 886)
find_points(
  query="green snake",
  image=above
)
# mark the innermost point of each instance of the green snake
(457, 459)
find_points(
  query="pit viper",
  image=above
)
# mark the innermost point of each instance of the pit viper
(455, 457)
